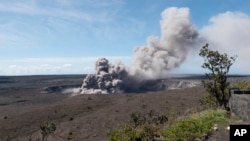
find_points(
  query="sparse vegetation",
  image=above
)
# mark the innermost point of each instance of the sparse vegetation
(242, 85)
(47, 128)
(152, 118)
(89, 108)
(142, 127)
(208, 101)
(71, 119)
(96, 124)
(195, 126)
(70, 135)
(171, 115)
(219, 65)
(198, 125)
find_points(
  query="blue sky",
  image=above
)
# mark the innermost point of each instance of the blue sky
(67, 36)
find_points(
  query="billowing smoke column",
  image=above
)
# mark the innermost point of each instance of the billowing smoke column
(152, 61)
(178, 36)
(107, 78)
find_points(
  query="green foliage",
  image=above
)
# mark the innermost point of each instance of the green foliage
(125, 133)
(130, 133)
(195, 126)
(138, 119)
(147, 132)
(142, 127)
(208, 101)
(219, 65)
(47, 128)
(242, 85)
(171, 116)
(188, 129)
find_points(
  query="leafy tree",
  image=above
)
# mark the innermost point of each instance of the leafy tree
(219, 65)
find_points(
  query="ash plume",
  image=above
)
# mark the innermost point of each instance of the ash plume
(163, 54)
(153, 61)
(108, 78)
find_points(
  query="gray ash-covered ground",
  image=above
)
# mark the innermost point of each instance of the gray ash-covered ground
(23, 108)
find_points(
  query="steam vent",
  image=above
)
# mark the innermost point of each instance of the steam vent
(239, 103)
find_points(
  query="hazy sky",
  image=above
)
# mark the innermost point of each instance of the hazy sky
(67, 36)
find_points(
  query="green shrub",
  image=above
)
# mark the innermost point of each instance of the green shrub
(208, 101)
(187, 129)
(151, 118)
(195, 126)
(47, 127)
(142, 127)
(129, 133)
(125, 133)
(146, 133)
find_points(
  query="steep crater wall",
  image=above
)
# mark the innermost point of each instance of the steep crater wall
(147, 86)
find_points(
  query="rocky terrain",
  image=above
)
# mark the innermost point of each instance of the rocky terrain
(27, 101)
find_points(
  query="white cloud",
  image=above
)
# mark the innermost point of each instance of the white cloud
(229, 32)
(31, 66)
(36, 69)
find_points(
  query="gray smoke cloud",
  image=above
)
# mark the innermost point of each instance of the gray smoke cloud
(178, 36)
(153, 61)
(108, 78)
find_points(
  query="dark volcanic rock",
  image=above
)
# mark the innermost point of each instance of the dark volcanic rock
(240, 103)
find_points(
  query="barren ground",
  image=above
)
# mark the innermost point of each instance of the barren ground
(84, 117)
